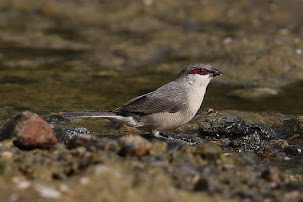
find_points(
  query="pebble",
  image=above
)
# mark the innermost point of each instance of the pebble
(21, 184)
(32, 131)
(272, 174)
(47, 192)
(134, 145)
(7, 154)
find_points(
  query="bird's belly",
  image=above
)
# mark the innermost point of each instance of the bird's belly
(165, 121)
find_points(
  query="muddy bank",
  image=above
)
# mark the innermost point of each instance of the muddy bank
(227, 155)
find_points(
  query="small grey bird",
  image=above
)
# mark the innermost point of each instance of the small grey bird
(164, 109)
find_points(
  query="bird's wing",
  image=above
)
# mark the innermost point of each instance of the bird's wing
(168, 98)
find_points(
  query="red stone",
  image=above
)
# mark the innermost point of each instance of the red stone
(30, 131)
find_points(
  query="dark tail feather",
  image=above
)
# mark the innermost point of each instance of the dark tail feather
(88, 114)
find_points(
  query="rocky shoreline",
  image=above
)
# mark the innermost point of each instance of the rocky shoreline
(218, 156)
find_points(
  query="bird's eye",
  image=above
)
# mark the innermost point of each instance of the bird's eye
(201, 71)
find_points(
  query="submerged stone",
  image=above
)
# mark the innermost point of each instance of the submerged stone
(252, 93)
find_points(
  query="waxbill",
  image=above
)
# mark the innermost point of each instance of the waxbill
(164, 109)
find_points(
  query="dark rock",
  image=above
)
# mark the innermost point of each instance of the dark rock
(265, 132)
(294, 150)
(233, 127)
(243, 136)
(246, 143)
(57, 119)
(65, 135)
(30, 130)
(291, 127)
(92, 143)
(74, 132)
(229, 126)
(134, 145)
(60, 133)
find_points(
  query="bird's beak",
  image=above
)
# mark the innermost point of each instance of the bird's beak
(214, 72)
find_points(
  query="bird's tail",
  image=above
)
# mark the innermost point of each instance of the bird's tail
(89, 114)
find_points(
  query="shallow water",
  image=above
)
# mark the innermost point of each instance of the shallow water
(47, 85)
(55, 87)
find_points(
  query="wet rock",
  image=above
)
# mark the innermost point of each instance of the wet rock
(74, 132)
(222, 126)
(134, 145)
(294, 150)
(233, 127)
(246, 143)
(60, 133)
(235, 132)
(30, 131)
(57, 119)
(65, 135)
(93, 143)
(291, 127)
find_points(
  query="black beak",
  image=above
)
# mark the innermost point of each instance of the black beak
(214, 72)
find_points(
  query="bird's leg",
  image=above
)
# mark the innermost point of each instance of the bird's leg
(157, 135)
(164, 137)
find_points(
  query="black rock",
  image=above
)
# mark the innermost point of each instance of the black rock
(294, 150)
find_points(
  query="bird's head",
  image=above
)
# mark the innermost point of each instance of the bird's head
(199, 74)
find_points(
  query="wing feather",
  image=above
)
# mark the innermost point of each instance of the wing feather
(168, 98)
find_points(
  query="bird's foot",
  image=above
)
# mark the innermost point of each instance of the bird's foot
(162, 136)
(167, 138)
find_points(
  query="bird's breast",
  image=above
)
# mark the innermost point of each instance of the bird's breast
(195, 98)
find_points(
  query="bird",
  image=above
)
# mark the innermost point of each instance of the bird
(164, 109)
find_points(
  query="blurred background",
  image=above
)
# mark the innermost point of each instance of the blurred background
(96, 54)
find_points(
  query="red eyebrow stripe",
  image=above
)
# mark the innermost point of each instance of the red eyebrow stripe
(196, 71)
